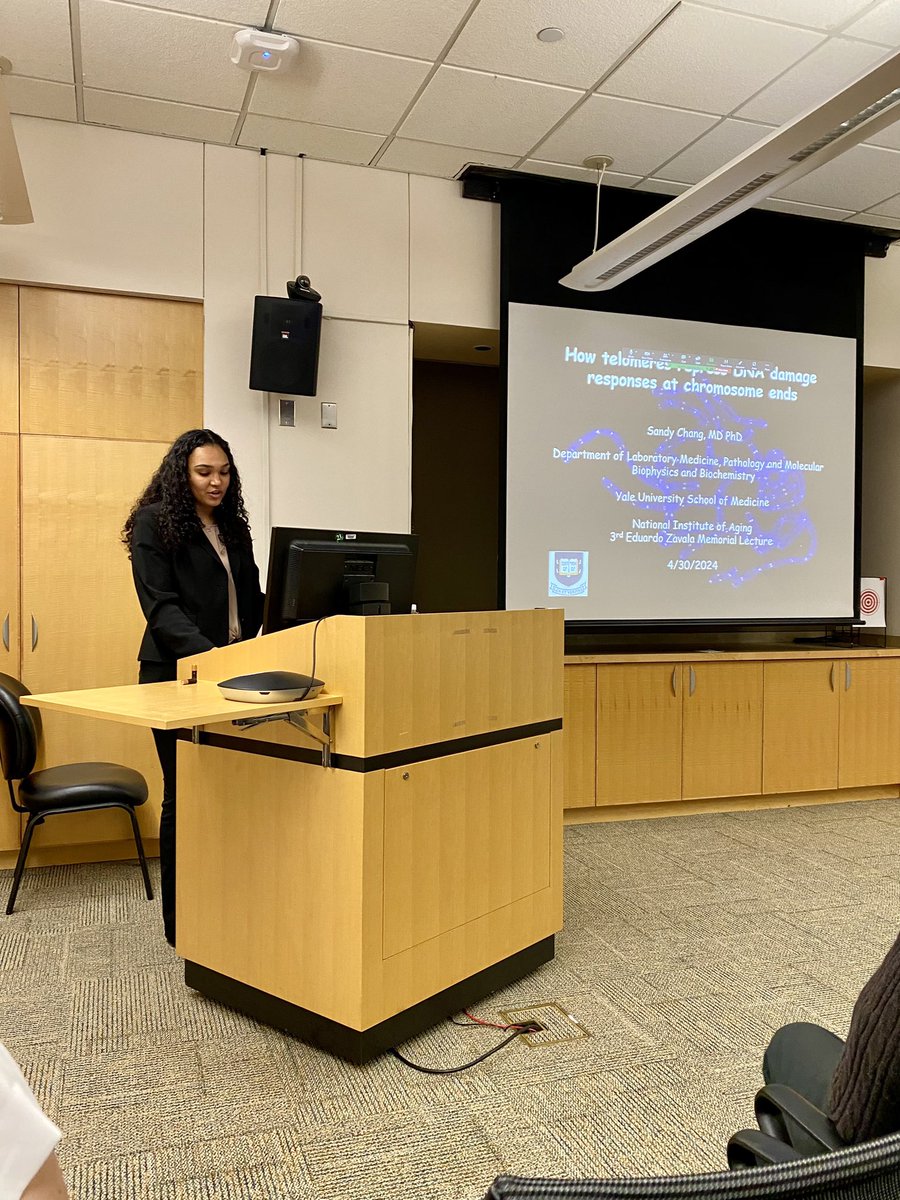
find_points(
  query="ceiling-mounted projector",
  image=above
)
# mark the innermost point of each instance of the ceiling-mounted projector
(262, 50)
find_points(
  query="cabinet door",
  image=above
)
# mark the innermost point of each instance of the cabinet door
(638, 733)
(580, 736)
(800, 726)
(9, 358)
(9, 603)
(9, 554)
(870, 722)
(103, 366)
(722, 729)
(81, 620)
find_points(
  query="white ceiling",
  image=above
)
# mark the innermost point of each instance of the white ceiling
(670, 89)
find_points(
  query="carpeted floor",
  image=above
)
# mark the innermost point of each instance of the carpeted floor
(687, 942)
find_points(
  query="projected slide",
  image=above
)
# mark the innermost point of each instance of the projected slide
(674, 470)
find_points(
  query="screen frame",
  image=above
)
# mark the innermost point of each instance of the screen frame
(819, 265)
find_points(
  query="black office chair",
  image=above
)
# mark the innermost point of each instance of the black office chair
(870, 1171)
(78, 787)
(785, 1117)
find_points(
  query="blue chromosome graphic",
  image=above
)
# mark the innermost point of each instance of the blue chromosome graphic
(776, 529)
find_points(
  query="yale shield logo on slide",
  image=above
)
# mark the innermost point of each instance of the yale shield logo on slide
(568, 573)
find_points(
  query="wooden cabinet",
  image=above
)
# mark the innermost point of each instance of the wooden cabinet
(9, 358)
(580, 739)
(723, 713)
(93, 388)
(639, 733)
(9, 554)
(869, 722)
(800, 725)
(82, 621)
(741, 725)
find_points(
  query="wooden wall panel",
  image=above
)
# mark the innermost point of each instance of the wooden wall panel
(95, 365)
(9, 554)
(77, 588)
(9, 358)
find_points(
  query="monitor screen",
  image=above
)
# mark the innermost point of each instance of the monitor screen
(317, 573)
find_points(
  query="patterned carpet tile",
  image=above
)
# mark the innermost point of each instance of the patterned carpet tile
(688, 941)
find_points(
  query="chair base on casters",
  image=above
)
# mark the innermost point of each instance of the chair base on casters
(38, 819)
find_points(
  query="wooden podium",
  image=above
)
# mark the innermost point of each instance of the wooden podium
(356, 903)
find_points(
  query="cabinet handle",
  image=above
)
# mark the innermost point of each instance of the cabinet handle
(832, 677)
(6, 632)
(693, 683)
(848, 677)
(674, 681)
(34, 633)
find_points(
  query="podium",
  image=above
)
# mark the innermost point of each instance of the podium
(357, 872)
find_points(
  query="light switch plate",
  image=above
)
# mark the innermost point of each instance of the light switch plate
(329, 415)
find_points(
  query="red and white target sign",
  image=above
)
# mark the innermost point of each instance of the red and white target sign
(871, 603)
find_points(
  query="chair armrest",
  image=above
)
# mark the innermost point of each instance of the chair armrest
(750, 1148)
(785, 1114)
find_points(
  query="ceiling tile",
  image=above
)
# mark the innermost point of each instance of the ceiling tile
(536, 166)
(887, 208)
(875, 220)
(817, 14)
(889, 137)
(806, 210)
(242, 12)
(859, 178)
(714, 150)
(397, 26)
(40, 98)
(491, 112)
(709, 60)
(342, 86)
(820, 75)
(666, 187)
(501, 35)
(158, 116)
(35, 37)
(140, 51)
(881, 25)
(314, 141)
(638, 136)
(425, 158)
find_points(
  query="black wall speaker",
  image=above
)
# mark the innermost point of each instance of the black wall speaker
(285, 352)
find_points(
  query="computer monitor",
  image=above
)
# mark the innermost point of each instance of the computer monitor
(320, 572)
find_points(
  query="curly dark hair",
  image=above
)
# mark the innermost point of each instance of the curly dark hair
(170, 488)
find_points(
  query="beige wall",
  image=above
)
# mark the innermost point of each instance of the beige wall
(130, 212)
(882, 331)
(881, 490)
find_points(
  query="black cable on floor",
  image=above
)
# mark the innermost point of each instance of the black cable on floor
(525, 1027)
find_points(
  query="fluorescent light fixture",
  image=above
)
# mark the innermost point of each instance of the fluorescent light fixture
(15, 208)
(864, 107)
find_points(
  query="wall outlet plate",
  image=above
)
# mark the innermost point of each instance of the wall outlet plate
(329, 415)
(286, 411)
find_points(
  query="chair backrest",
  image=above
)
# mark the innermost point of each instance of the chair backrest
(870, 1171)
(19, 730)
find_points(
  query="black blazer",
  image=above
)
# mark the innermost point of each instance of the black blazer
(184, 592)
